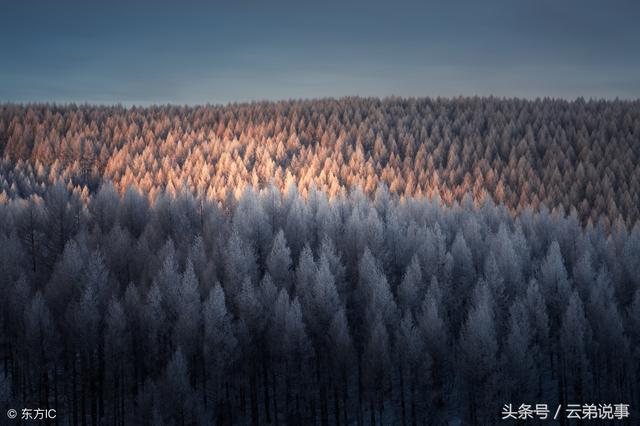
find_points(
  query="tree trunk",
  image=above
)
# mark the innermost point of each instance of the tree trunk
(116, 397)
(287, 393)
(274, 383)
(414, 419)
(373, 411)
(265, 379)
(205, 384)
(243, 401)
(83, 397)
(74, 391)
(345, 395)
(336, 406)
(253, 390)
(123, 389)
(7, 348)
(312, 409)
(381, 405)
(229, 409)
(562, 391)
(93, 392)
(360, 413)
(55, 387)
(324, 418)
(218, 403)
(101, 378)
(403, 418)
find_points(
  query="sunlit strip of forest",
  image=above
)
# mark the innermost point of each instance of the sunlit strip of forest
(579, 157)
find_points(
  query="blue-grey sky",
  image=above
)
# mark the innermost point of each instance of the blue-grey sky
(194, 53)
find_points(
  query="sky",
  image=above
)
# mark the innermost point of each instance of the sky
(196, 53)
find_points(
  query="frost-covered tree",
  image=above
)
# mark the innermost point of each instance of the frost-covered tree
(576, 376)
(279, 262)
(410, 286)
(555, 282)
(478, 346)
(187, 298)
(220, 346)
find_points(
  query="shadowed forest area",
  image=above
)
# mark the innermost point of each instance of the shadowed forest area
(352, 261)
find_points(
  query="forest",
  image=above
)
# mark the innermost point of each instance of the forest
(567, 155)
(352, 261)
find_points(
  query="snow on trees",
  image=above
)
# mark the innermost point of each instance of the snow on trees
(308, 307)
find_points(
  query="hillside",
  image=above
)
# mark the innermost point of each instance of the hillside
(581, 155)
(352, 261)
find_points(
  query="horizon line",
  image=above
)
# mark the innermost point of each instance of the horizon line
(127, 105)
